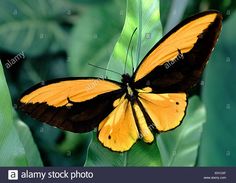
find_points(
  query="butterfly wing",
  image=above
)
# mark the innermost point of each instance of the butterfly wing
(170, 69)
(73, 104)
(130, 121)
(176, 62)
(164, 111)
(118, 131)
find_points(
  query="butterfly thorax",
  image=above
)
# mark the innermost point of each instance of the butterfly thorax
(127, 82)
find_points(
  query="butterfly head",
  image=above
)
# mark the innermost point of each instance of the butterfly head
(127, 81)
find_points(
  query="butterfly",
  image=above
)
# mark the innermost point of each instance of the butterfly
(153, 99)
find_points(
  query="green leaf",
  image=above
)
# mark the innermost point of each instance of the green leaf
(145, 16)
(174, 17)
(72, 140)
(17, 147)
(165, 6)
(218, 147)
(31, 151)
(179, 147)
(12, 152)
(93, 38)
(89, 2)
(75, 146)
(32, 26)
(141, 154)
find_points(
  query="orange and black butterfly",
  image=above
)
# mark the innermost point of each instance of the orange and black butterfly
(153, 99)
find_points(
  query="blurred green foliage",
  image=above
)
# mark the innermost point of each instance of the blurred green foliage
(218, 141)
(145, 16)
(60, 38)
(16, 144)
(179, 147)
(141, 154)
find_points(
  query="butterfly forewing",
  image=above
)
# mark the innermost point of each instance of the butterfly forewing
(176, 62)
(74, 104)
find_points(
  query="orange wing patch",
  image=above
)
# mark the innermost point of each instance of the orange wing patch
(118, 131)
(57, 94)
(165, 110)
(144, 129)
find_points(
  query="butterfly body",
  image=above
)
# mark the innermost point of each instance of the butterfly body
(152, 99)
(127, 84)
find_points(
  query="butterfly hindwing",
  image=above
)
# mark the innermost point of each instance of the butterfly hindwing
(176, 62)
(166, 111)
(128, 121)
(73, 104)
(118, 131)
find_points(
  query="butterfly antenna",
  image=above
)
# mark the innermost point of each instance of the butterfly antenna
(132, 59)
(104, 69)
(126, 58)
